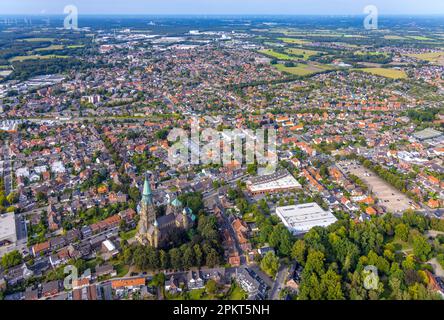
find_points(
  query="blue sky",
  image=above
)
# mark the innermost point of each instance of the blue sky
(333, 7)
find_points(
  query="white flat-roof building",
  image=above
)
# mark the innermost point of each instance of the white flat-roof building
(8, 235)
(276, 182)
(58, 167)
(301, 218)
(426, 134)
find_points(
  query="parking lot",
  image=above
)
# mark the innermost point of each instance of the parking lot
(389, 197)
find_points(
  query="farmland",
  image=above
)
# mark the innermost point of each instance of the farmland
(302, 52)
(301, 69)
(37, 57)
(433, 57)
(384, 72)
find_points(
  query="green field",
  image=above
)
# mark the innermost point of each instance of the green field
(394, 37)
(39, 39)
(37, 57)
(434, 57)
(5, 73)
(302, 52)
(291, 54)
(420, 38)
(370, 53)
(50, 48)
(293, 41)
(76, 46)
(383, 72)
(354, 36)
(277, 55)
(302, 69)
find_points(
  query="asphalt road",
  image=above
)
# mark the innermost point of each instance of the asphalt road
(279, 282)
(7, 169)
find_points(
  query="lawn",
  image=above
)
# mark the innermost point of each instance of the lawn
(249, 217)
(120, 268)
(36, 57)
(236, 293)
(128, 235)
(198, 294)
(383, 72)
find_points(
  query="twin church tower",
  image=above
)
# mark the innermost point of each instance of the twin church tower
(153, 230)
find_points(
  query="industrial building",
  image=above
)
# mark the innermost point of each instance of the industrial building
(427, 134)
(300, 218)
(8, 235)
(280, 181)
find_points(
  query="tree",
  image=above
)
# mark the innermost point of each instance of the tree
(164, 259)
(12, 198)
(152, 257)
(188, 257)
(158, 280)
(315, 262)
(395, 286)
(41, 197)
(139, 257)
(176, 258)
(331, 286)
(402, 232)
(270, 264)
(134, 194)
(242, 205)
(11, 259)
(298, 252)
(252, 168)
(409, 263)
(162, 134)
(127, 255)
(310, 288)
(3, 201)
(212, 258)
(198, 254)
(421, 248)
(211, 287)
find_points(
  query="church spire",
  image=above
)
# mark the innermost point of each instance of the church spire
(147, 195)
